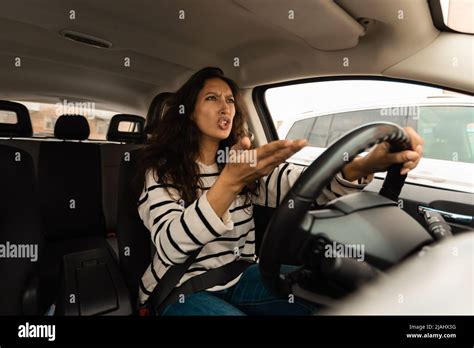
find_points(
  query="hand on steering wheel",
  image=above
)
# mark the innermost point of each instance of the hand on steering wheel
(381, 157)
(284, 238)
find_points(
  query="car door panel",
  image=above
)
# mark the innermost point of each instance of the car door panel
(414, 196)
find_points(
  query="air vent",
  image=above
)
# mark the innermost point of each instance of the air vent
(86, 39)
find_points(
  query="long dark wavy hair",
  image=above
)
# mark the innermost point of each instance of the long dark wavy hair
(173, 147)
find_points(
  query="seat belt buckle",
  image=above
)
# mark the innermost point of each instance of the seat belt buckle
(143, 311)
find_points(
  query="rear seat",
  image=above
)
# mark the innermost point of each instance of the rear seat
(17, 133)
(110, 154)
(69, 178)
(78, 185)
(20, 229)
(19, 221)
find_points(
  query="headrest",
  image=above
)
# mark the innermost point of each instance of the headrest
(71, 127)
(156, 110)
(134, 134)
(22, 127)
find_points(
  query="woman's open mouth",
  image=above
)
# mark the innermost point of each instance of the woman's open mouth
(224, 123)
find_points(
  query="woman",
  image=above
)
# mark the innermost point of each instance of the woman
(192, 200)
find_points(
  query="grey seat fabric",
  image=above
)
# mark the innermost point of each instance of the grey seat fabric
(158, 107)
(21, 241)
(15, 134)
(32, 147)
(112, 155)
(70, 191)
(133, 237)
(69, 177)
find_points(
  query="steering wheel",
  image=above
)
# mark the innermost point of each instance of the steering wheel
(373, 220)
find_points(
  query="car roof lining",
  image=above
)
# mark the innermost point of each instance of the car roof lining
(164, 50)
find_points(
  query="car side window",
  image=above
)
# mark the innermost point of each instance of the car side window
(319, 133)
(448, 132)
(300, 129)
(347, 121)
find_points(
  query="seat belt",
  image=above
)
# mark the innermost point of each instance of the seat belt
(168, 282)
(217, 276)
(165, 292)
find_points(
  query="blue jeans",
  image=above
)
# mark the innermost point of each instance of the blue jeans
(248, 297)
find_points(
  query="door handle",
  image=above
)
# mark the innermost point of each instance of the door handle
(451, 217)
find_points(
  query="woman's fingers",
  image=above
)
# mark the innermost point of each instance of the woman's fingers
(275, 147)
(407, 166)
(244, 143)
(270, 148)
(402, 156)
(279, 154)
(409, 158)
(412, 160)
(267, 157)
(419, 150)
(415, 138)
(275, 159)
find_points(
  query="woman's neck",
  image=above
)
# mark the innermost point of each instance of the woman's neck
(207, 151)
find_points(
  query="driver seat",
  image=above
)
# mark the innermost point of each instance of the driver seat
(132, 236)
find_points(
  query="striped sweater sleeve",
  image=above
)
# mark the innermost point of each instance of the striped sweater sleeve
(276, 185)
(177, 231)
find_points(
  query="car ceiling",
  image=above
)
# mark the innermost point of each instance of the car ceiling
(165, 50)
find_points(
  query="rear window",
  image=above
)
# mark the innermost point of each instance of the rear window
(8, 117)
(44, 115)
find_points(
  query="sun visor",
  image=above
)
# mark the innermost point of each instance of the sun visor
(322, 24)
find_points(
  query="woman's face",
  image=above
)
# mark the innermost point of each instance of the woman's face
(215, 110)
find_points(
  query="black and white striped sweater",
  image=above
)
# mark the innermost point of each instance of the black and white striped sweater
(177, 231)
